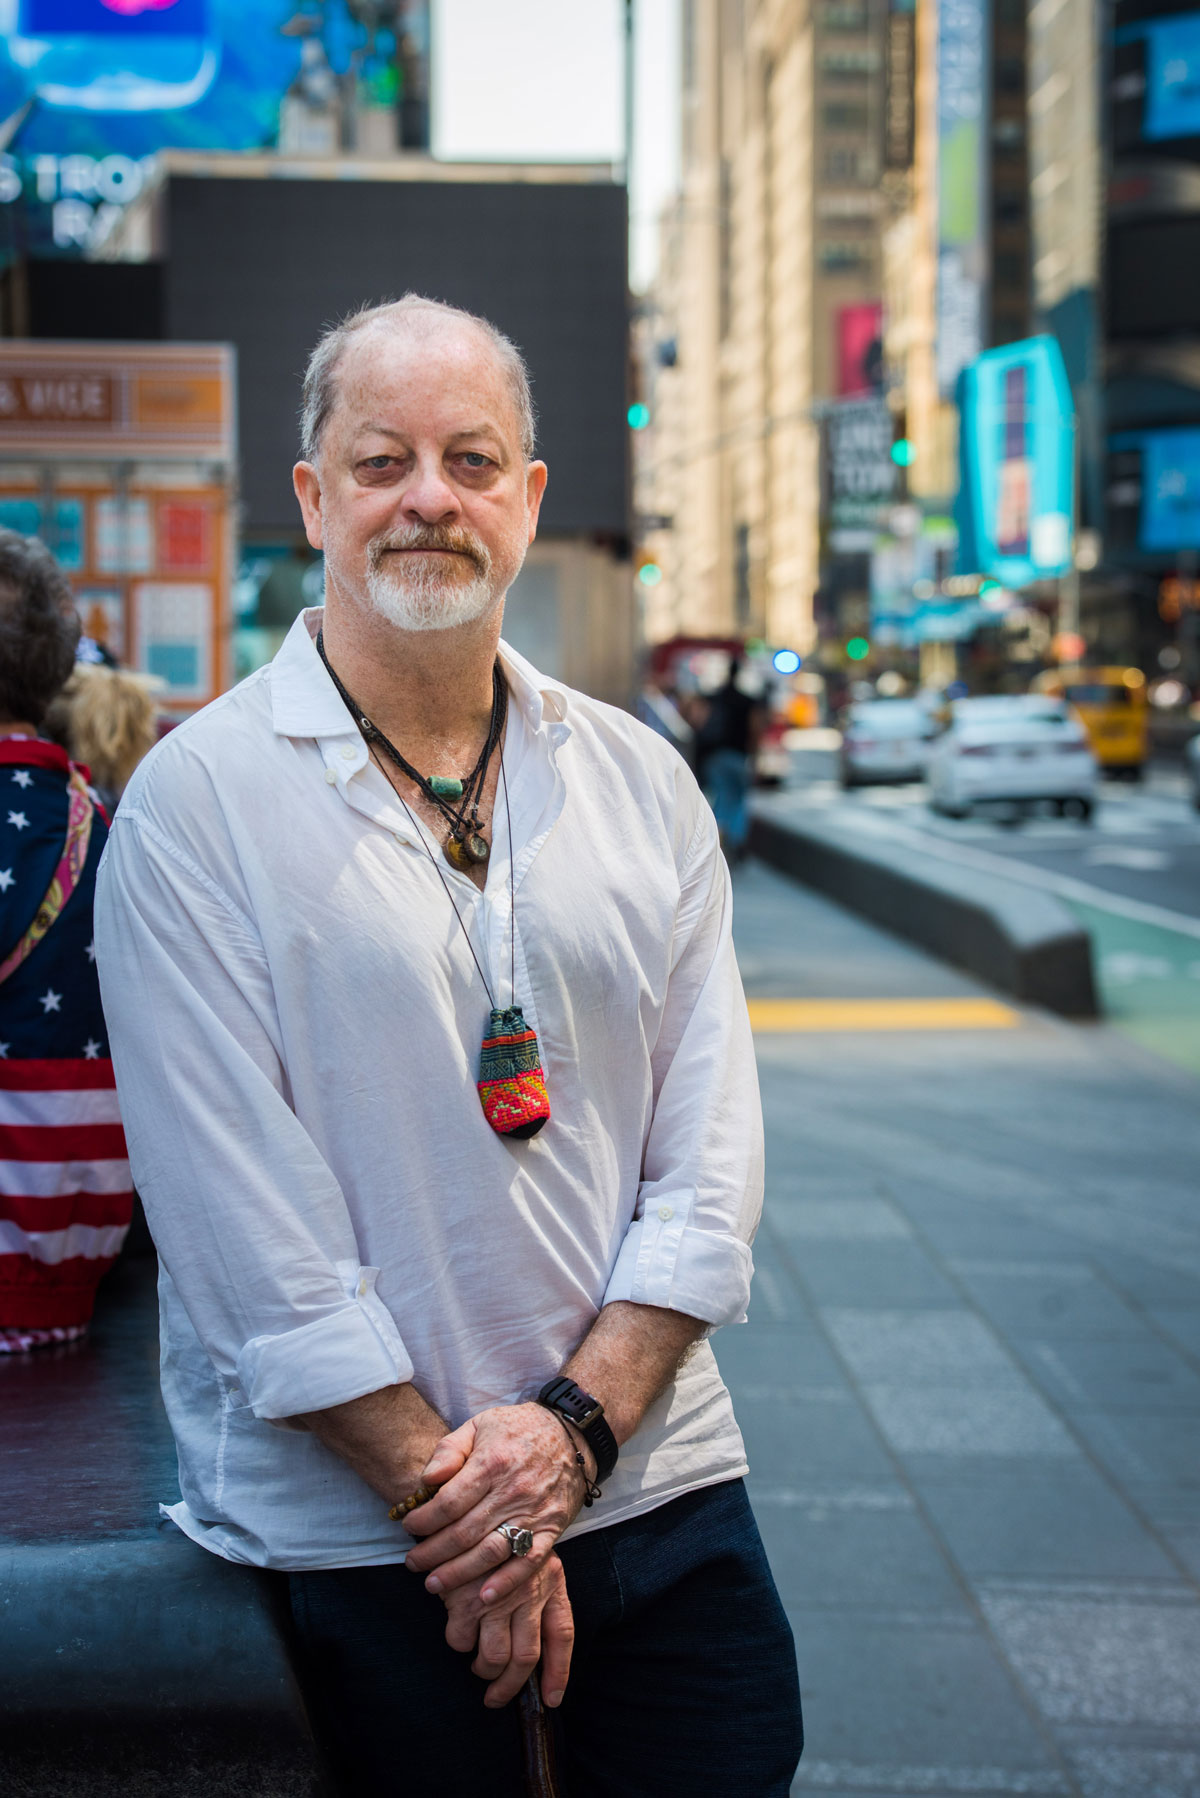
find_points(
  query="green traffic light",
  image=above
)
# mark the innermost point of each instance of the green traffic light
(638, 417)
(904, 452)
(649, 574)
(858, 649)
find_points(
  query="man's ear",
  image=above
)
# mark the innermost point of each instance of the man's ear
(536, 476)
(307, 485)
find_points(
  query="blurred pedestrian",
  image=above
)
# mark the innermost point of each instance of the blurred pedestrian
(318, 891)
(65, 1198)
(725, 746)
(106, 719)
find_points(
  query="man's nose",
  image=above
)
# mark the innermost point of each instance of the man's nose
(428, 495)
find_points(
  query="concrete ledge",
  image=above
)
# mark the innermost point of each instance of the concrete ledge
(133, 1663)
(1018, 939)
(146, 1667)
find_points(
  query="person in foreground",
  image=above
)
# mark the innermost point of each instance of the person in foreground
(440, 1096)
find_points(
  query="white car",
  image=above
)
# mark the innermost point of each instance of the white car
(1012, 751)
(885, 740)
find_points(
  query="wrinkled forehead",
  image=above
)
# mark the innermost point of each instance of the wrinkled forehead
(425, 373)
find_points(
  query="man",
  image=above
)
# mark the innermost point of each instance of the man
(316, 894)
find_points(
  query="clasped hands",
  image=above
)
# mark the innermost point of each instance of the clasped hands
(512, 1464)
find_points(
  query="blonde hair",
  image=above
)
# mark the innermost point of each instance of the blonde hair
(107, 718)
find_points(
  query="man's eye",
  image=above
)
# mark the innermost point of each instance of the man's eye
(378, 462)
(476, 459)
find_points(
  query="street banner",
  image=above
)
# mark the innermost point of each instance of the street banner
(962, 152)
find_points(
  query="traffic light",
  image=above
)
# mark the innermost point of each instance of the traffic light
(858, 649)
(638, 416)
(904, 452)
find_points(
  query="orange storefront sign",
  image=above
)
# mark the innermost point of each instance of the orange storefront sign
(144, 400)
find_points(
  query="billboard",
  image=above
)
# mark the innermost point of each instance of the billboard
(90, 89)
(962, 122)
(860, 476)
(1156, 84)
(859, 349)
(1154, 491)
(1017, 464)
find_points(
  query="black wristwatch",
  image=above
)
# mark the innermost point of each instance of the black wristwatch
(586, 1414)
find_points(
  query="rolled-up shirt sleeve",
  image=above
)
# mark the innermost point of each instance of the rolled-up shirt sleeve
(248, 1218)
(700, 1197)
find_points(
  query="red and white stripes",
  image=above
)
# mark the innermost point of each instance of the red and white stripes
(65, 1193)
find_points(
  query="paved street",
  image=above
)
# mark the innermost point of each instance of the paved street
(970, 1384)
(1132, 878)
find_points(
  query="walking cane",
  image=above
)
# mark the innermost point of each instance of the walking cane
(537, 1742)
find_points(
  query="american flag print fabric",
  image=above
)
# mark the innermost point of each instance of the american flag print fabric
(65, 1192)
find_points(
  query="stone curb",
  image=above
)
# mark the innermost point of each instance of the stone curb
(1021, 940)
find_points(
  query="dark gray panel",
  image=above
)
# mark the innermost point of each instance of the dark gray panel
(266, 264)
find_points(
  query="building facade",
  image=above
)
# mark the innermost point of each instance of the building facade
(767, 309)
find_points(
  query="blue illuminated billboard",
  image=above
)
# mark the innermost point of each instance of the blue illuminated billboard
(92, 88)
(1170, 516)
(1017, 464)
(1172, 77)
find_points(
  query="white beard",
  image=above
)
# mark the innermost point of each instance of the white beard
(421, 598)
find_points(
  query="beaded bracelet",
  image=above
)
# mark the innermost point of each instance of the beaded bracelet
(591, 1491)
(398, 1512)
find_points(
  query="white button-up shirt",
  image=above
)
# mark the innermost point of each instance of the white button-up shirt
(296, 1021)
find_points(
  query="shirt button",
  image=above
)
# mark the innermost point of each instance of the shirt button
(331, 777)
(348, 752)
(666, 1212)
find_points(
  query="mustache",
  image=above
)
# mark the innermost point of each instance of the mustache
(431, 536)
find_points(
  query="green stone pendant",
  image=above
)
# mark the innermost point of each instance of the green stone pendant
(444, 786)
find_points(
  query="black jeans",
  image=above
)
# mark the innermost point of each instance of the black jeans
(683, 1683)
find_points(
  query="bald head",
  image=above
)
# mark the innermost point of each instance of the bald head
(419, 317)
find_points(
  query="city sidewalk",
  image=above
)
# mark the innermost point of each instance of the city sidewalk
(970, 1385)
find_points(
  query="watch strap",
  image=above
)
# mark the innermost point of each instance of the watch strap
(585, 1414)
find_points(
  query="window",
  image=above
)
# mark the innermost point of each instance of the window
(843, 253)
(848, 64)
(844, 115)
(841, 17)
(841, 165)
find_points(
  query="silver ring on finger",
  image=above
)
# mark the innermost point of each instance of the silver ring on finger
(519, 1539)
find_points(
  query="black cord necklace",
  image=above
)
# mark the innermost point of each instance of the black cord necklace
(466, 845)
(511, 1084)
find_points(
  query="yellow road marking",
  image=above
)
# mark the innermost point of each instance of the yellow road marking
(881, 1014)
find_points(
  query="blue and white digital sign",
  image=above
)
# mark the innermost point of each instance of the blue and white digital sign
(1170, 518)
(1172, 78)
(1017, 464)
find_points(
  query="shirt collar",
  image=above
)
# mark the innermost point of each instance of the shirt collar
(305, 702)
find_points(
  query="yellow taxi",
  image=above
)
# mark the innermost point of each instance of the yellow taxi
(1110, 703)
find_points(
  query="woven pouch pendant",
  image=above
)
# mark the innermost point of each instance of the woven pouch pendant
(512, 1086)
